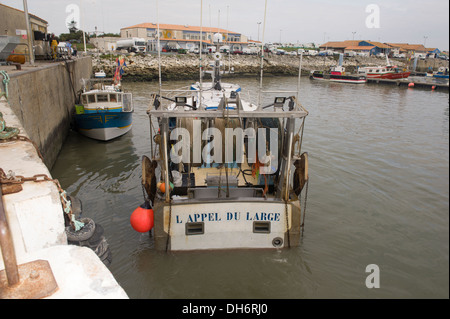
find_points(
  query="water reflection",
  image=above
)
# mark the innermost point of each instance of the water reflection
(379, 193)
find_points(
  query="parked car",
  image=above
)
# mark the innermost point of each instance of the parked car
(224, 49)
(237, 52)
(281, 52)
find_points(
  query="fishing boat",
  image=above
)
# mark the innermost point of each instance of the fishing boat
(225, 169)
(337, 74)
(105, 112)
(442, 73)
(387, 71)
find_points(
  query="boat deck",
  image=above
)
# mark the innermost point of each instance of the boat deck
(201, 174)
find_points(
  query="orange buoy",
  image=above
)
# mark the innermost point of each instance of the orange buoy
(411, 85)
(162, 187)
(433, 87)
(142, 219)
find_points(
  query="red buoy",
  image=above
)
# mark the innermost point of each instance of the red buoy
(142, 219)
(411, 85)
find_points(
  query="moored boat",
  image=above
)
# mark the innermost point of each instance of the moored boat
(105, 111)
(387, 71)
(442, 73)
(224, 172)
(338, 74)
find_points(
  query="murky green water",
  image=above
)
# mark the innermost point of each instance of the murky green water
(378, 194)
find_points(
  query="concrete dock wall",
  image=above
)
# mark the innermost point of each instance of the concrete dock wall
(35, 220)
(43, 99)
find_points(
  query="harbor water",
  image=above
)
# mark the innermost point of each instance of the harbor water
(378, 195)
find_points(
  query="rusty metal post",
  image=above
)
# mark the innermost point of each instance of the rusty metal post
(7, 247)
(32, 280)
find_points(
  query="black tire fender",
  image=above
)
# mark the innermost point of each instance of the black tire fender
(84, 233)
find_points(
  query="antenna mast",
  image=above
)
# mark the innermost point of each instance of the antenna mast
(262, 56)
(201, 49)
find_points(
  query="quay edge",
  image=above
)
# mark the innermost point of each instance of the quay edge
(43, 98)
(34, 215)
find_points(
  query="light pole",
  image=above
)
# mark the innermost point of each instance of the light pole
(259, 24)
(280, 36)
(425, 41)
(30, 40)
(354, 32)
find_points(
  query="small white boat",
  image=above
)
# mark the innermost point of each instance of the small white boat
(100, 74)
(105, 112)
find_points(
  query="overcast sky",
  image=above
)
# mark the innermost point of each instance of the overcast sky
(410, 21)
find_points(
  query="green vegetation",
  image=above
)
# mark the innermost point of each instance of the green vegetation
(109, 35)
(109, 56)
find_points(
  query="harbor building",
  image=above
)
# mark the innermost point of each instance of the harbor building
(12, 23)
(408, 49)
(364, 46)
(187, 37)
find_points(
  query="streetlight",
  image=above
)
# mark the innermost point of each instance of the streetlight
(280, 36)
(425, 40)
(354, 32)
(258, 23)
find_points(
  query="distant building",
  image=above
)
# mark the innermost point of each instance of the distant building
(369, 47)
(409, 49)
(182, 36)
(366, 50)
(433, 52)
(12, 23)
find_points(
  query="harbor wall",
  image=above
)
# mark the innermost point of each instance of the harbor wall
(185, 66)
(43, 99)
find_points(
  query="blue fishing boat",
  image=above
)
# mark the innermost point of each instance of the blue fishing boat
(442, 73)
(105, 111)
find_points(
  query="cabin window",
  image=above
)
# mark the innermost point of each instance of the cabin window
(102, 98)
(84, 101)
(378, 71)
(119, 98)
(91, 98)
(113, 97)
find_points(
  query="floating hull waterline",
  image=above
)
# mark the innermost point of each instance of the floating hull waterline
(104, 126)
(355, 79)
(390, 76)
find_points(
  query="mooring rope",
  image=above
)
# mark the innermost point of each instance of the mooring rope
(7, 132)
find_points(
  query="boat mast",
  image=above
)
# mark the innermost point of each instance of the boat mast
(201, 44)
(299, 76)
(262, 56)
(159, 48)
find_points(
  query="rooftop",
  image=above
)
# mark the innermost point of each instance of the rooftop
(31, 15)
(178, 27)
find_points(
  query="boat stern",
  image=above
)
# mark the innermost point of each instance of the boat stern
(227, 225)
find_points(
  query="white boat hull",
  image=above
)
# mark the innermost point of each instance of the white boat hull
(105, 134)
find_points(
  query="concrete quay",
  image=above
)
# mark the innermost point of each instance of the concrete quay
(40, 105)
(414, 82)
